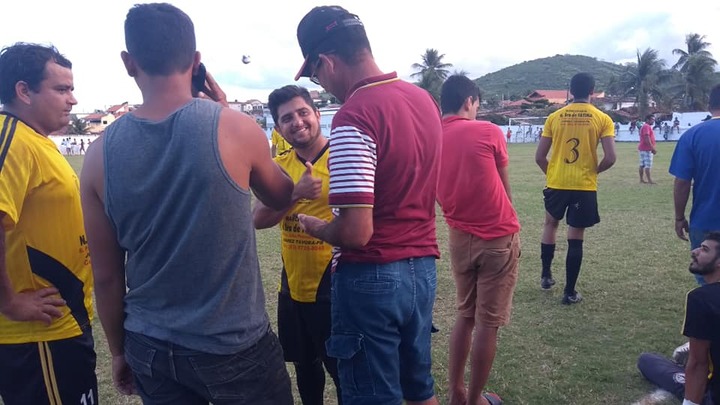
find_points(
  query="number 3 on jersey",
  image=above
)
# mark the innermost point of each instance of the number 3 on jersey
(575, 154)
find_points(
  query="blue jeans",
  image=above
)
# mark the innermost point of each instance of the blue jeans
(166, 373)
(381, 322)
(696, 238)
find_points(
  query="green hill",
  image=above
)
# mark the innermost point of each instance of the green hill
(551, 73)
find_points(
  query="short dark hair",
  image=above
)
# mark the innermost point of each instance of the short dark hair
(25, 62)
(284, 94)
(160, 37)
(582, 85)
(714, 103)
(715, 237)
(454, 92)
(647, 117)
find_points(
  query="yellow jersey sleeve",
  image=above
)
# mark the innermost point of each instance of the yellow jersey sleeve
(18, 172)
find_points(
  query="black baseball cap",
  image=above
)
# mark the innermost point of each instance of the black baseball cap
(316, 30)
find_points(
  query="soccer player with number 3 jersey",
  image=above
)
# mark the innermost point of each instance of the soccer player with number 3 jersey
(572, 134)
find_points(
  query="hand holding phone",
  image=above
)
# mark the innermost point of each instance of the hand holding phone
(205, 86)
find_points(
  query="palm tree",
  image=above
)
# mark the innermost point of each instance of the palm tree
(432, 66)
(697, 67)
(78, 126)
(696, 45)
(432, 72)
(642, 79)
(698, 77)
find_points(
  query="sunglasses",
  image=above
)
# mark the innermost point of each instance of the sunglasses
(313, 76)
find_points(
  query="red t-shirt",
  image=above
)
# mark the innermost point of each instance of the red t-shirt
(644, 145)
(385, 154)
(470, 191)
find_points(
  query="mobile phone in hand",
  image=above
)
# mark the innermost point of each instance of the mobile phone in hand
(198, 81)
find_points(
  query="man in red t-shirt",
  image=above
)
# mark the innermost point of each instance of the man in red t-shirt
(646, 149)
(384, 164)
(474, 192)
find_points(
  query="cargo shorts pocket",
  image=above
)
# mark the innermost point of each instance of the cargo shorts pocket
(353, 365)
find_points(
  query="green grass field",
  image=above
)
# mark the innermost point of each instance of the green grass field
(634, 280)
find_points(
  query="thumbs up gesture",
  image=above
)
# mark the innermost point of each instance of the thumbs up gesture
(308, 187)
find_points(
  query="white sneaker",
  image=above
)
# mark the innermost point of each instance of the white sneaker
(681, 353)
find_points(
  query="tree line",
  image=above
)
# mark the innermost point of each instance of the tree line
(684, 86)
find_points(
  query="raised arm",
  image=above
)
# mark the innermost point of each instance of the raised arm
(308, 187)
(245, 153)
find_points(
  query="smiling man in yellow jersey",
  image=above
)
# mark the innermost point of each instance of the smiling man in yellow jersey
(304, 298)
(573, 134)
(46, 343)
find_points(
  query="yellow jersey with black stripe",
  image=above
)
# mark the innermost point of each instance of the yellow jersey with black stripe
(281, 145)
(305, 259)
(575, 130)
(45, 242)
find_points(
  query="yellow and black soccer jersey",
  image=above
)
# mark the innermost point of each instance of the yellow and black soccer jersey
(280, 143)
(44, 233)
(575, 130)
(306, 259)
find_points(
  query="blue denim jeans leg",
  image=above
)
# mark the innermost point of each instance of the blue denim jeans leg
(166, 373)
(381, 322)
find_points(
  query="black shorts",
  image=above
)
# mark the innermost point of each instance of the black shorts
(303, 328)
(49, 373)
(580, 208)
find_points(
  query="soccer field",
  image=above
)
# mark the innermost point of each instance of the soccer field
(634, 279)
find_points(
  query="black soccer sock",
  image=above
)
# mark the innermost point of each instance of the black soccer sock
(572, 264)
(547, 253)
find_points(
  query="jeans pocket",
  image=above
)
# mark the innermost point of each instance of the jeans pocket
(250, 376)
(375, 286)
(140, 359)
(139, 356)
(353, 365)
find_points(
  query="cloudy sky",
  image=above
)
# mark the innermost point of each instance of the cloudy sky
(474, 36)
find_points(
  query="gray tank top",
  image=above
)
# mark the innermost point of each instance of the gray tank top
(193, 275)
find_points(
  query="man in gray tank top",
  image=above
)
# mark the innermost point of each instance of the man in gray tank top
(166, 198)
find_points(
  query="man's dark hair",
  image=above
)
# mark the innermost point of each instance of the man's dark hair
(582, 85)
(160, 37)
(715, 237)
(647, 117)
(284, 94)
(714, 103)
(454, 92)
(25, 62)
(348, 44)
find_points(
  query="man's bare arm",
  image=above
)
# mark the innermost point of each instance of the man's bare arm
(307, 187)
(609, 157)
(505, 179)
(108, 258)
(352, 228)
(696, 370)
(542, 152)
(245, 153)
(681, 194)
(41, 305)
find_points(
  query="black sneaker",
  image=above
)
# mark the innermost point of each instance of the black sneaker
(571, 299)
(546, 283)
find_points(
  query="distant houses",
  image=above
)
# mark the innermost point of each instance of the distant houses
(99, 120)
